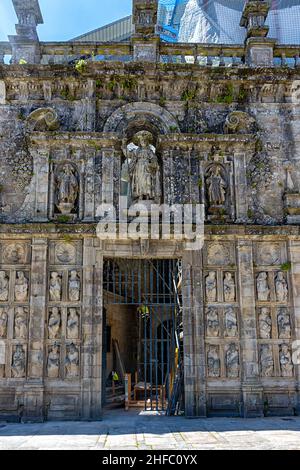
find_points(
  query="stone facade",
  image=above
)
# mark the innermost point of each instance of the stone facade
(225, 137)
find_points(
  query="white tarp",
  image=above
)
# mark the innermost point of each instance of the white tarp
(217, 21)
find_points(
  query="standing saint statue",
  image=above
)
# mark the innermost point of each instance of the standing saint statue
(229, 288)
(55, 287)
(263, 291)
(141, 171)
(4, 283)
(21, 287)
(216, 187)
(281, 287)
(67, 189)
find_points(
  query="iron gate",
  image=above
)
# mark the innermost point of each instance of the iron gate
(153, 288)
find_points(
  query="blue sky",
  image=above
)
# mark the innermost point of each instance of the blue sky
(65, 19)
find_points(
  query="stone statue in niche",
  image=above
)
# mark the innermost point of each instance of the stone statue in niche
(266, 360)
(229, 288)
(55, 287)
(4, 286)
(74, 286)
(3, 322)
(211, 287)
(53, 362)
(213, 361)
(18, 362)
(141, 171)
(72, 361)
(263, 291)
(232, 361)
(54, 323)
(216, 187)
(281, 288)
(231, 326)
(20, 326)
(21, 287)
(285, 359)
(212, 322)
(284, 324)
(67, 189)
(73, 324)
(265, 323)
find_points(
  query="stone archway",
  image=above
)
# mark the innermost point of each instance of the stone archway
(133, 117)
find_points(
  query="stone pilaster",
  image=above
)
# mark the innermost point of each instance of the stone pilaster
(193, 334)
(34, 388)
(251, 386)
(91, 333)
(294, 248)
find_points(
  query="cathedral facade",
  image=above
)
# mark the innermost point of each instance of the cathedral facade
(169, 124)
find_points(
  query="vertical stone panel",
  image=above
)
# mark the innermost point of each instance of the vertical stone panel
(252, 390)
(193, 333)
(34, 389)
(294, 248)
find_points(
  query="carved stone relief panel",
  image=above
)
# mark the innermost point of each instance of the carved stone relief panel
(221, 311)
(4, 286)
(232, 361)
(53, 361)
(21, 323)
(269, 254)
(18, 363)
(64, 310)
(15, 253)
(266, 360)
(65, 252)
(219, 254)
(213, 361)
(274, 312)
(21, 286)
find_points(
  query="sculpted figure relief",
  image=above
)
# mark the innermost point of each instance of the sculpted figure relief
(216, 187)
(21, 287)
(212, 322)
(284, 323)
(229, 288)
(73, 324)
(285, 359)
(213, 361)
(18, 362)
(266, 360)
(20, 329)
(141, 171)
(281, 288)
(231, 326)
(53, 362)
(54, 323)
(72, 361)
(263, 291)
(74, 286)
(67, 189)
(4, 285)
(232, 361)
(265, 323)
(3, 322)
(211, 287)
(55, 287)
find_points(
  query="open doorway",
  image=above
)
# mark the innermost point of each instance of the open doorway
(142, 340)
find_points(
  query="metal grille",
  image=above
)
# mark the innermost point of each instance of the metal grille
(153, 287)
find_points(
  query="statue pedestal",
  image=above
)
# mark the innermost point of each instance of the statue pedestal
(292, 205)
(217, 213)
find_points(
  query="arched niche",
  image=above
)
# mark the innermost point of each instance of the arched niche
(134, 117)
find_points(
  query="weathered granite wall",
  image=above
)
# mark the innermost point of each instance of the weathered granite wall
(240, 292)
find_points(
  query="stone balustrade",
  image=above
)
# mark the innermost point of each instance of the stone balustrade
(216, 55)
